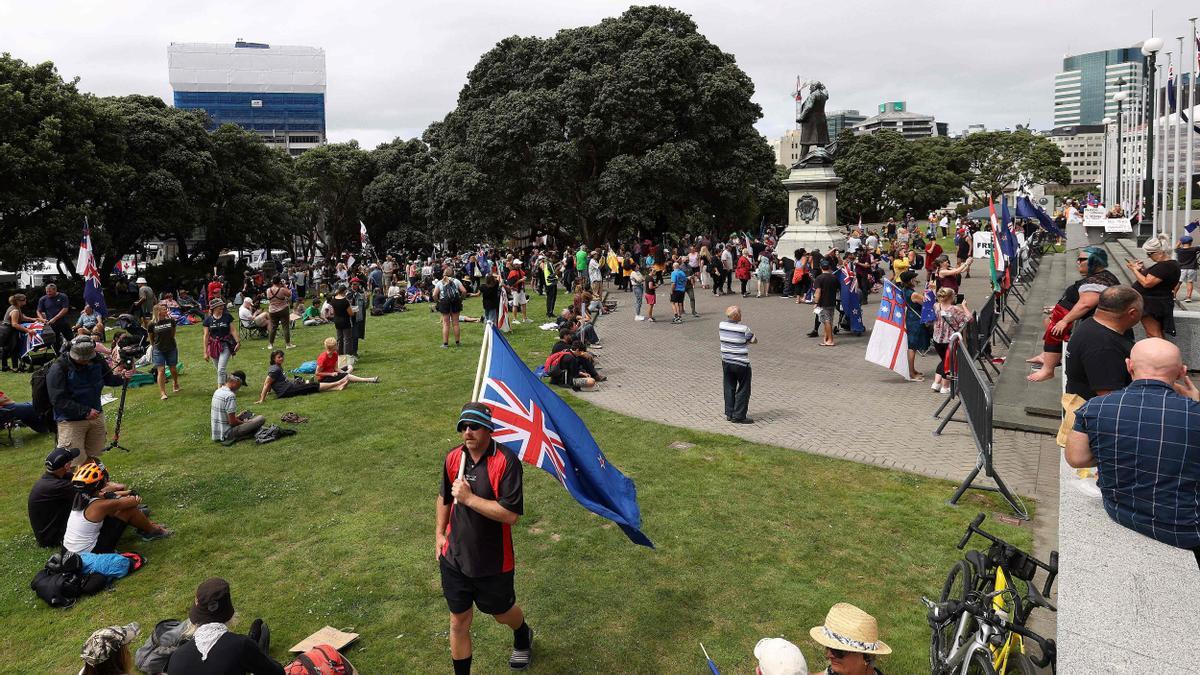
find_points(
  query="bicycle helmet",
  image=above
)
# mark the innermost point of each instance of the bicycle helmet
(89, 476)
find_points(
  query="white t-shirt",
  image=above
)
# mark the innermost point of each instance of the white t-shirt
(872, 242)
(853, 244)
(224, 403)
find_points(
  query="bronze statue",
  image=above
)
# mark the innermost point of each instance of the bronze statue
(814, 129)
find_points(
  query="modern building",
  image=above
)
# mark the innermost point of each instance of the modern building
(973, 129)
(1083, 91)
(1083, 151)
(787, 147)
(839, 120)
(277, 91)
(894, 116)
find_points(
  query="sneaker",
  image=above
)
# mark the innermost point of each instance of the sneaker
(945, 390)
(162, 533)
(291, 346)
(651, 319)
(521, 658)
(744, 420)
(695, 315)
(935, 386)
(445, 346)
(1187, 299)
(270, 347)
(596, 346)
(639, 318)
(811, 334)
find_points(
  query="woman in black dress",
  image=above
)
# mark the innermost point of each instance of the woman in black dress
(1157, 286)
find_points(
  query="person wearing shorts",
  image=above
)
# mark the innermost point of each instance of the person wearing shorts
(449, 304)
(164, 352)
(480, 500)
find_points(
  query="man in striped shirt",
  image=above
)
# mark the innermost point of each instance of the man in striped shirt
(735, 363)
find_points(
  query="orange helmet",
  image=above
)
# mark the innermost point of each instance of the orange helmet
(89, 476)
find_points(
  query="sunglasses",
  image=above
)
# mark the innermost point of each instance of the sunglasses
(473, 426)
(1081, 260)
(837, 653)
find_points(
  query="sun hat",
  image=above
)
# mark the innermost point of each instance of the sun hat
(83, 349)
(107, 642)
(140, 280)
(213, 603)
(475, 413)
(848, 628)
(777, 656)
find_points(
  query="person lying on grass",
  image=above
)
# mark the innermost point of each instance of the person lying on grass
(278, 381)
(328, 370)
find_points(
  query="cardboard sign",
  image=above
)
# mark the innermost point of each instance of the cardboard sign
(1093, 216)
(326, 636)
(1117, 225)
(982, 245)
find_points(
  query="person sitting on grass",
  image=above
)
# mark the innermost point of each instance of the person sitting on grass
(328, 370)
(227, 426)
(850, 637)
(576, 369)
(313, 316)
(52, 495)
(24, 413)
(106, 652)
(91, 322)
(277, 381)
(98, 518)
(777, 656)
(213, 648)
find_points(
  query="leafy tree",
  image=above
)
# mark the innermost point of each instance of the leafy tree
(330, 181)
(884, 173)
(394, 203)
(637, 123)
(255, 200)
(998, 161)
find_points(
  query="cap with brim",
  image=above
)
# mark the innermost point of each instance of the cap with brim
(476, 413)
(83, 349)
(107, 642)
(907, 276)
(1185, 239)
(216, 302)
(847, 628)
(140, 280)
(213, 603)
(60, 457)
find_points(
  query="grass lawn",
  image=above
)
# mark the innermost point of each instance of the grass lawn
(335, 526)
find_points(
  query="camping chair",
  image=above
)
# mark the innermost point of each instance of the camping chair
(253, 330)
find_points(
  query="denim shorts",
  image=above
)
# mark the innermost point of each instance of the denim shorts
(164, 358)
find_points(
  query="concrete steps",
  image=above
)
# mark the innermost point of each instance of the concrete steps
(1019, 404)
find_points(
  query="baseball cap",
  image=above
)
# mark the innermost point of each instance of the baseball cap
(1185, 239)
(777, 656)
(107, 642)
(60, 457)
(475, 413)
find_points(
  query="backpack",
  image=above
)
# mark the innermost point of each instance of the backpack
(552, 362)
(39, 392)
(152, 657)
(62, 581)
(272, 432)
(450, 291)
(320, 660)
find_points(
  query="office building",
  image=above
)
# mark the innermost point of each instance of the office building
(839, 120)
(895, 116)
(277, 91)
(1083, 151)
(787, 147)
(1083, 91)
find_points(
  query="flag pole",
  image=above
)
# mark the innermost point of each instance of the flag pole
(484, 349)
(1187, 204)
(1175, 153)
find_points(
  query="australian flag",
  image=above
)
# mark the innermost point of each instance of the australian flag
(1026, 209)
(851, 304)
(544, 431)
(85, 266)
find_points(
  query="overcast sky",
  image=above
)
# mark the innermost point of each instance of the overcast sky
(395, 67)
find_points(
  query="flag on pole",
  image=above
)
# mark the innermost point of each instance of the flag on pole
(544, 431)
(997, 257)
(364, 242)
(1027, 209)
(504, 321)
(851, 301)
(85, 266)
(889, 343)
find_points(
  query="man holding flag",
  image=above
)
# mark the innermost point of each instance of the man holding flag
(85, 266)
(482, 497)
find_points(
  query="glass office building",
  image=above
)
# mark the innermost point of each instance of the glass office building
(1083, 91)
(277, 91)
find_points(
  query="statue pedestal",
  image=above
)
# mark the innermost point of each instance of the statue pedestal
(812, 211)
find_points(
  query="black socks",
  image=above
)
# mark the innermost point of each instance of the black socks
(521, 637)
(462, 666)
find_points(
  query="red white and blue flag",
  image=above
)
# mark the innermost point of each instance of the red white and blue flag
(34, 338)
(542, 430)
(503, 318)
(85, 266)
(889, 343)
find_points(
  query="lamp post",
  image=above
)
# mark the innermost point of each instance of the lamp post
(1105, 195)
(1150, 48)
(1120, 97)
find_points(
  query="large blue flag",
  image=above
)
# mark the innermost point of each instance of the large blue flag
(1008, 238)
(851, 300)
(85, 266)
(544, 431)
(1026, 209)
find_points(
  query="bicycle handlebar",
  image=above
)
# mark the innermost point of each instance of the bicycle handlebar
(1051, 568)
(972, 528)
(940, 612)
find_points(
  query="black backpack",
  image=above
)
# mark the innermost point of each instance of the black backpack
(62, 581)
(39, 392)
(272, 432)
(450, 290)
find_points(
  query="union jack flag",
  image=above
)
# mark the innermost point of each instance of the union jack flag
(85, 266)
(544, 431)
(34, 339)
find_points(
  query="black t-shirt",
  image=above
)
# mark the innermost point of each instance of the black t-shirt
(341, 312)
(230, 654)
(964, 248)
(829, 287)
(491, 297)
(1095, 359)
(49, 507)
(218, 327)
(1187, 257)
(560, 346)
(1095, 283)
(279, 380)
(164, 335)
(1168, 271)
(476, 545)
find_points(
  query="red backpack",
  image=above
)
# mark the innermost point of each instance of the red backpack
(553, 359)
(320, 660)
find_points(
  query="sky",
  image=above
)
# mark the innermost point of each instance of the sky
(393, 68)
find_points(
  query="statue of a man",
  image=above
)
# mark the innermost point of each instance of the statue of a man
(814, 129)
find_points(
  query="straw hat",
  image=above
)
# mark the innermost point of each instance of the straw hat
(848, 628)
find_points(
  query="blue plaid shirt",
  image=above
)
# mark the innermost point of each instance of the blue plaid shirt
(1146, 440)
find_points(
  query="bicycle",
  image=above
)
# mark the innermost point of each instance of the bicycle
(978, 623)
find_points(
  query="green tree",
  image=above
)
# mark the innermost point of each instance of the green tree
(330, 181)
(638, 122)
(884, 173)
(394, 203)
(255, 201)
(999, 161)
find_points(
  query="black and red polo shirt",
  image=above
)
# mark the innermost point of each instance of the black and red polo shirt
(476, 545)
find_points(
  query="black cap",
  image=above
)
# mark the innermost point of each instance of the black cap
(60, 457)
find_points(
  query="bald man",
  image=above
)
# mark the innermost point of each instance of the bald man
(735, 365)
(1145, 441)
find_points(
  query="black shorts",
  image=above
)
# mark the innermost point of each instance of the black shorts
(336, 377)
(677, 296)
(492, 595)
(445, 306)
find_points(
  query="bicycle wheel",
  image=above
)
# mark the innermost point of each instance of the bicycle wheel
(980, 663)
(959, 582)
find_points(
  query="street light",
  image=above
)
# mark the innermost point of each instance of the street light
(1150, 48)
(1120, 98)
